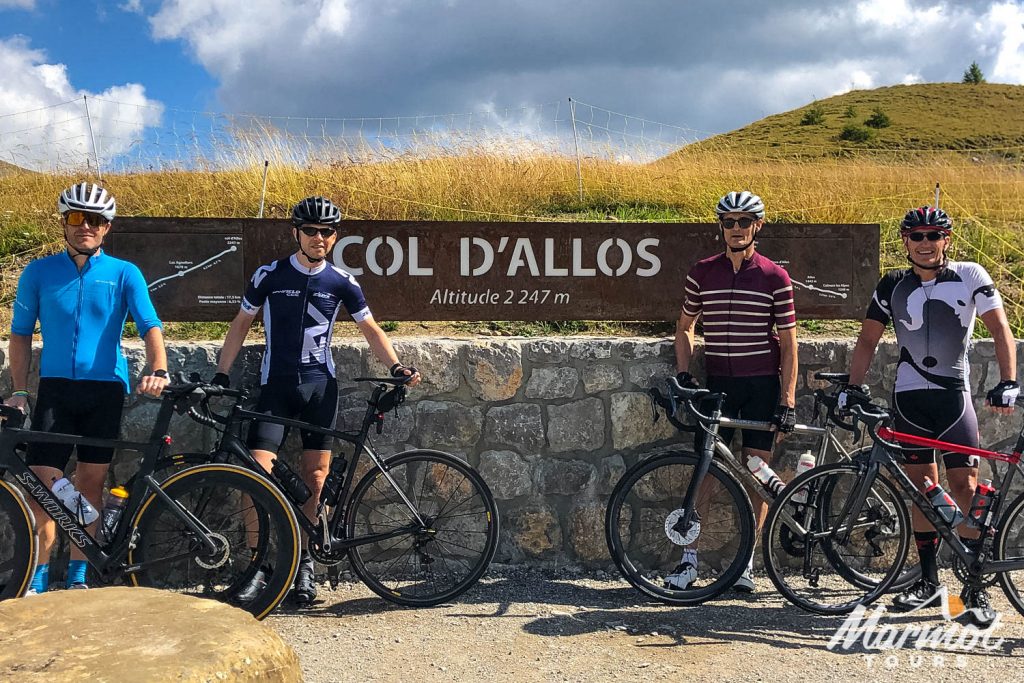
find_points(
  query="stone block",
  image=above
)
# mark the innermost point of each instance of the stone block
(585, 530)
(632, 425)
(535, 530)
(591, 349)
(517, 426)
(549, 383)
(563, 477)
(444, 424)
(507, 474)
(638, 349)
(647, 375)
(546, 350)
(494, 371)
(597, 378)
(609, 471)
(577, 426)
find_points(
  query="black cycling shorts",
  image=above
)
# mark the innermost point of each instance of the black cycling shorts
(313, 402)
(944, 414)
(84, 407)
(749, 398)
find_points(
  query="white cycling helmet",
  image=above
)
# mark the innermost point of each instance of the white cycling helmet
(87, 197)
(740, 202)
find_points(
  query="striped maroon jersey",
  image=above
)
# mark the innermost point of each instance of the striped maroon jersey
(741, 312)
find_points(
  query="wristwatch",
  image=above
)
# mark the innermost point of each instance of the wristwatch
(160, 373)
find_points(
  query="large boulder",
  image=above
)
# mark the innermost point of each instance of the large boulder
(137, 634)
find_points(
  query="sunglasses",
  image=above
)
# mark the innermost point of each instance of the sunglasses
(76, 218)
(326, 233)
(931, 236)
(744, 223)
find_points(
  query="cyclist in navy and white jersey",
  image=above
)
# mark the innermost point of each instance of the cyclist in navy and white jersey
(746, 303)
(81, 298)
(302, 296)
(932, 305)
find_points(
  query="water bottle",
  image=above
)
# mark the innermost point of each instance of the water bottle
(290, 481)
(112, 511)
(979, 504)
(805, 463)
(334, 480)
(759, 468)
(74, 501)
(943, 503)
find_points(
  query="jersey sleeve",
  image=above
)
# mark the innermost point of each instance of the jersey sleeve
(139, 303)
(352, 298)
(256, 293)
(983, 289)
(692, 305)
(783, 310)
(880, 308)
(26, 303)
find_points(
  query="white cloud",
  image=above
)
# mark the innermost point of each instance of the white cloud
(1007, 21)
(17, 4)
(43, 122)
(677, 62)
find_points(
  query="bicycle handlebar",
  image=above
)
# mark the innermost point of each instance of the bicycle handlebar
(13, 416)
(396, 381)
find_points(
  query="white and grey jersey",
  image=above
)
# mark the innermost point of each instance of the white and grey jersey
(934, 321)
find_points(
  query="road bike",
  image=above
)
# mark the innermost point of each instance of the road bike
(858, 511)
(187, 533)
(679, 499)
(419, 527)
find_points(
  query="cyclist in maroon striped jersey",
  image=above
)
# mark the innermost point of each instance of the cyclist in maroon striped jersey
(746, 303)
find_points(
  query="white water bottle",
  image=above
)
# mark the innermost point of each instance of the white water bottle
(805, 463)
(759, 468)
(74, 501)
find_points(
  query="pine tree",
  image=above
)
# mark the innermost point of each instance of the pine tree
(974, 75)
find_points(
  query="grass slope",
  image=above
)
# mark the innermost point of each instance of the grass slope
(928, 116)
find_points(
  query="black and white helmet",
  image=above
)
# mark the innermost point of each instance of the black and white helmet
(88, 197)
(318, 210)
(926, 217)
(740, 202)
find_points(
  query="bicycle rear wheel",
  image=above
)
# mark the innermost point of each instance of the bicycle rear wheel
(18, 547)
(644, 506)
(829, 546)
(253, 527)
(429, 560)
(1009, 545)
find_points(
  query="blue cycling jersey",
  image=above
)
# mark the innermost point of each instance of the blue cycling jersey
(300, 306)
(81, 314)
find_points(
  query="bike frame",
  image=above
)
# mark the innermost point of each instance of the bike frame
(885, 454)
(106, 560)
(330, 532)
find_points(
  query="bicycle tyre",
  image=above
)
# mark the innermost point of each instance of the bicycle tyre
(846, 595)
(637, 507)
(905, 580)
(1011, 529)
(213, 493)
(18, 547)
(374, 507)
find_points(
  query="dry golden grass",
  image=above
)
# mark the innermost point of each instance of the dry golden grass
(984, 196)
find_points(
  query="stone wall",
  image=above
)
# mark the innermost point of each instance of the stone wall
(551, 423)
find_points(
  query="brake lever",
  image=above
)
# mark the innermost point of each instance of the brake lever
(652, 396)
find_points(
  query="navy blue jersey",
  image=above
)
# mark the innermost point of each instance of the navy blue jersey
(300, 306)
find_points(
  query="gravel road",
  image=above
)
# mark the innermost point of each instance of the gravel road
(530, 625)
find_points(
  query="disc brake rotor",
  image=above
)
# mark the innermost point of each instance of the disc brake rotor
(682, 537)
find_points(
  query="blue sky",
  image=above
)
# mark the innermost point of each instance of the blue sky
(705, 66)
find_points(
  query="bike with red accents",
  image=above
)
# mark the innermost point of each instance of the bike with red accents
(857, 514)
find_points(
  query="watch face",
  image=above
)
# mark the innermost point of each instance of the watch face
(160, 373)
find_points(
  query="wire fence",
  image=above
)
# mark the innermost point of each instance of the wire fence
(99, 135)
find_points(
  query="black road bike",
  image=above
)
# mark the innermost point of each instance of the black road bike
(187, 533)
(419, 527)
(851, 508)
(681, 499)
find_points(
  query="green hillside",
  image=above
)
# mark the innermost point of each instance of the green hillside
(986, 118)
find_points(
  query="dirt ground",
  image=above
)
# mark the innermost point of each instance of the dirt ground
(528, 625)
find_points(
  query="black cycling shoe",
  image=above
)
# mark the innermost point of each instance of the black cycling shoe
(979, 609)
(256, 584)
(920, 594)
(304, 593)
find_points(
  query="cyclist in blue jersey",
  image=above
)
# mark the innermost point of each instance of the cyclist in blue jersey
(81, 298)
(301, 296)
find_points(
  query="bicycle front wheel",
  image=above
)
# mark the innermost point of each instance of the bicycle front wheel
(253, 530)
(1009, 545)
(18, 547)
(639, 528)
(438, 527)
(827, 558)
